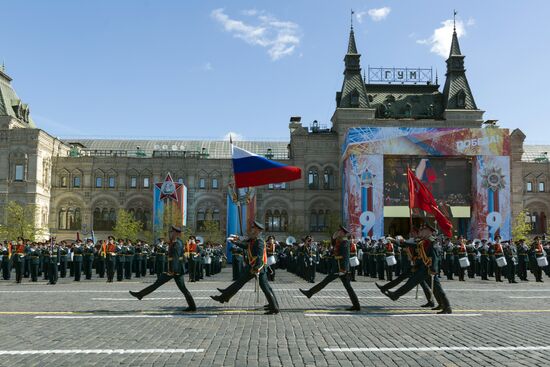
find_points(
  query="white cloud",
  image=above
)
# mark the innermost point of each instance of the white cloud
(208, 66)
(360, 15)
(440, 40)
(234, 136)
(280, 38)
(379, 14)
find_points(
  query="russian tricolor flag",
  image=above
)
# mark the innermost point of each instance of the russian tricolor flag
(425, 172)
(253, 170)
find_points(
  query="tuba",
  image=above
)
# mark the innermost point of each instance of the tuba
(290, 240)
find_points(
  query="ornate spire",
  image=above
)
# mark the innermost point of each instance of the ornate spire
(353, 94)
(457, 92)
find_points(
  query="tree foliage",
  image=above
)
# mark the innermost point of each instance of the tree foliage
(21, 222)
(521, 228)
(212, 232)
(126, 225)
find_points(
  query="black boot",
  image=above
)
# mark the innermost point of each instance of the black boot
(428, 304)
(136, 294)
(445, 310)
(306, 293)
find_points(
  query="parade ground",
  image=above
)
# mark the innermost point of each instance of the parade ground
(92, 323)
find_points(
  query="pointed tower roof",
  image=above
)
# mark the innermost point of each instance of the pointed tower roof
(353, 94)
(352, 48)
(457, 93)
(10, 104)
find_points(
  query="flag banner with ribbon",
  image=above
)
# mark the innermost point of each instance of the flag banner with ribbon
(420, 197)
(254, 170)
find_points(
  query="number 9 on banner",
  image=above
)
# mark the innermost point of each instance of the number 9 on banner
(494, 220)
(367, 220)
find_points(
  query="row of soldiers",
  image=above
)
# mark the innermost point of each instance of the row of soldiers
(383, 260)
(54, 259)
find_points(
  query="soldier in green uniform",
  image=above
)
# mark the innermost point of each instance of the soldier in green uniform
(256, 267)
(18, 259)
(34, 257)
(45, 255)
(54, 260)
(88, 258)
(110, 258)
(160, 257)
(523, 260)
(129, 259)
(78, 252)
(120, 258)
(63, 254)
(6, 261)
(175, 271)
(341, 255)
(236, 261)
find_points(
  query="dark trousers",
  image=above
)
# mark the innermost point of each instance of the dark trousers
(63, 269)
(27, 267)
(71, 269)
(127, 269)
(34, 272)
(163, 278)
(110, 265)
(419, 276)
(237, 266)
(484, 266)
(193, 273)
(271, 272)
(119, 271)
(404, 276)
(18, 271)
(6, 270)
(345, 278)
(245, 277)
(380, 267)
(52, 273)
(77, 270)
(100, 267)
(88, 268)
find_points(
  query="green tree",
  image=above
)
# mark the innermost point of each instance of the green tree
(212, 231)
(126, 225)
(21, 222)
(521, 228)
(172, 216)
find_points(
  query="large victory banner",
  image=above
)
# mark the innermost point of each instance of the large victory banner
(169, 206)
(366, 192)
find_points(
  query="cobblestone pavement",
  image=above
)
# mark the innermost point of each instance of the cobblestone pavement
(92, 323)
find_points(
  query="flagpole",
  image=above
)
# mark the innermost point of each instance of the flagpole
(410, 209)
(239, 209)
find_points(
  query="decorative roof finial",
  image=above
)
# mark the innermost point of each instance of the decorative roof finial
(436, 78)
(351, 19)
(454, 20)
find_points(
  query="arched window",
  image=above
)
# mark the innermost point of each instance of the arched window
(461, 99)
(201, 217)
(328, 179)
(276, 220)
(313, 179)
(319, 220)
(97, 224)
(62, 219)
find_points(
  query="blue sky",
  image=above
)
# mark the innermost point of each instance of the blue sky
(199, 69)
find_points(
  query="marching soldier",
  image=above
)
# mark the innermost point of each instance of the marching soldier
(100, 255)
(175, 271)
(389, 252)
(425, 271)
(256, 267)
(312, 255)
(484, 260)
(498, 253)
(341, 255)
